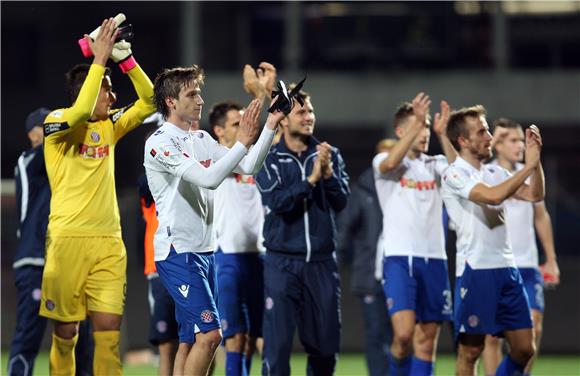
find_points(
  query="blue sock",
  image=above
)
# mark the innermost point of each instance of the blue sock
(421, 367)
(248, 361)
(235, 364)
(508, 367)
(399, 367)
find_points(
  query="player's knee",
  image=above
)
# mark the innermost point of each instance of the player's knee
(236, 343)
(210, 340)
(426, 347)
(523, 354)
(404, 337)
(471, 353)
(66, 330)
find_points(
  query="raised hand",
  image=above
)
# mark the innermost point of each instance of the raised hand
(259, 82)
(441, 119)
(533, 146)
(104, 41)
(249, 125)
(275, 117)
(421, 105)
(325, 157)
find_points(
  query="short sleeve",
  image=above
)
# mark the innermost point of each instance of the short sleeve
(377, 160)
(441, 164)
(458, 182)
(396, 173)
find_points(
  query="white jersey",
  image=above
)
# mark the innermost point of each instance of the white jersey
(239, 215)
(182, 169)
(520, 226)
(412, 206)
(482, 238)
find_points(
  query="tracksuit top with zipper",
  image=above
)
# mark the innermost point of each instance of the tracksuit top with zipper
(300, 218)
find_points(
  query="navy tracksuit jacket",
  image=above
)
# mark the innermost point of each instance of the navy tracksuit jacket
(300, 273)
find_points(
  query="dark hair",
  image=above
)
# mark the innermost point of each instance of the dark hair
(404, 110)
(506, 123)
(456, 125)
(218, 113)
(170, 81)
(75, 78)
(301, 94)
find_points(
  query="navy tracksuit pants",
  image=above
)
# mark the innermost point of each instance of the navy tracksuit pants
(305, 296)
(30, 328)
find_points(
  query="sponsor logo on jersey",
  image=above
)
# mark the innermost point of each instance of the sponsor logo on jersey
(206, 316)
(244, 179)
(419, 185)
(50, 128)
(184, 290)
(205, 163)
(94, 152)
(153, 152)
(117, 115)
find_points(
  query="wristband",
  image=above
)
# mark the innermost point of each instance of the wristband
(127, 64)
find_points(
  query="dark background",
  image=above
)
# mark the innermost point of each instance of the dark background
(362, 60)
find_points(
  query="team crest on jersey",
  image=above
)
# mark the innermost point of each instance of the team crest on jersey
(50, 305)
(95, 137)
(473, 321)
(36, 294)
(244, 179)
(161, 326)
(206, 316)
(455, 180)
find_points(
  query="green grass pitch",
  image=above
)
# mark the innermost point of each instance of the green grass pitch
(349, 364)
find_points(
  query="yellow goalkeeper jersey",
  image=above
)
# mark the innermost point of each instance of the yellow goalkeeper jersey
(80, 158)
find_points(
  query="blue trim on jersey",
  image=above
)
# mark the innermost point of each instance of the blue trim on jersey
(491, 301)
(419, 284)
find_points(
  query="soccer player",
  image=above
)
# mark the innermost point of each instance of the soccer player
(183, 168)
(33, 202)
(521, 218)
(360, 225)
(491, 298)
(416, 284)
(163, 327)
(85, 256)
(239, 218)
(303, 185)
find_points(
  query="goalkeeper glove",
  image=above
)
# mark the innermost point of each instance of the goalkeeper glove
(86, 50)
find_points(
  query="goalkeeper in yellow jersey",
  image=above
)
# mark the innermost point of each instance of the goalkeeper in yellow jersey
(85, 255)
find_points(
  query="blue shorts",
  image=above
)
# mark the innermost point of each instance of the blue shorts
(241, 292)
(534, 285)
(162, 326)
(491, 301)
(191, 281)
(418, 284)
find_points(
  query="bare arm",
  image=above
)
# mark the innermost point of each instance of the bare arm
(535, 190)
(495, 195)
(440, 128)
(543, 224)
(420, 107)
